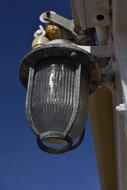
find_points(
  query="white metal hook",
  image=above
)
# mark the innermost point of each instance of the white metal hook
(39, 32)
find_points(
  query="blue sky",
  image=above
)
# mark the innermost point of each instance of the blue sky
(22, 165)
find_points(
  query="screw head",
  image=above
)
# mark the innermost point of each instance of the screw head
(73, 55)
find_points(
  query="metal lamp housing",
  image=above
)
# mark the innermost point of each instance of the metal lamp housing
(56, 77)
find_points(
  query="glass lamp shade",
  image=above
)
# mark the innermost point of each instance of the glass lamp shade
(56, 103)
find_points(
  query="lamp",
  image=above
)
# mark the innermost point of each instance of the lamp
(56, 77)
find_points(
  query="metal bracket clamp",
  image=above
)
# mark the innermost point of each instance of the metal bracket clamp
(68, 28)
(53, 18)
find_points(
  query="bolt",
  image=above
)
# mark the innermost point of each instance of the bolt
(73, 55)
(48, 14)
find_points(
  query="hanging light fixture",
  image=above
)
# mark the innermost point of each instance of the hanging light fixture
(56, 76)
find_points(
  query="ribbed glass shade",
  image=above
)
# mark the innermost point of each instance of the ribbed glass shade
(52, 97)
